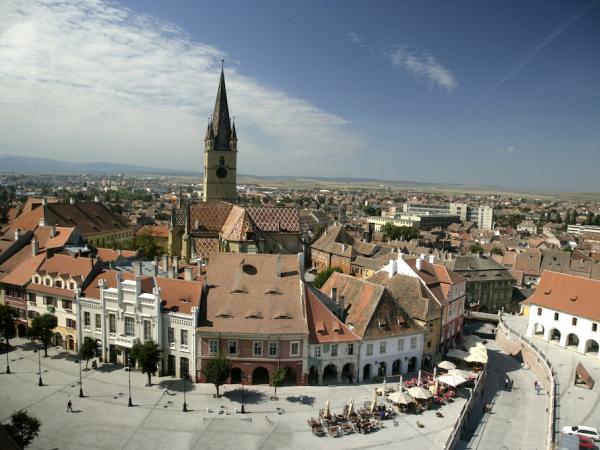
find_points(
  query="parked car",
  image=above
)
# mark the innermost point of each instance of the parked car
(582, 430)
(586, 442)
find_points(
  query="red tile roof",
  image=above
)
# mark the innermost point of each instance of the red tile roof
(323, 326)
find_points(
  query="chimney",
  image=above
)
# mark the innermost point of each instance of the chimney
(392, 267)
(35, 246)
(165, 263)
(137, 268)
(419, 264)
(278, 266)
(301, 265)
(343, 248)
(170, 273)
(176, 264)
(52, 231)
(72, 200)
(187, 274)
(44, 202)
(422, 256)
(17, 234)
(431, 259)
(333, 294)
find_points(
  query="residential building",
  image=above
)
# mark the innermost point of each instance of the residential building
(527, 226)
(564, 309)
(254, 311)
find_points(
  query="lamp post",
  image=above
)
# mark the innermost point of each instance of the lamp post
(184, 377)
(130, 403)
(7, 364)
(243, 378)
(40, 382)
(80, 385)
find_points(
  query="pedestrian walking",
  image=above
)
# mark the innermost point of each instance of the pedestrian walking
(510, 385)
(506, 383)
(69, 406)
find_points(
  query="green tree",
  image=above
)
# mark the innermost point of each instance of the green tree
(148, 356)
(216, 370)
(42, 327)
(87, 350)
(476, 248)
(23, 428)
(7, 324)
(496, 251)
(148, 245)
(277, 378)
(395, 233)
(324, 275)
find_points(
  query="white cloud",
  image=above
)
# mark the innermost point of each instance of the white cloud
(423, 66)
(90, 80)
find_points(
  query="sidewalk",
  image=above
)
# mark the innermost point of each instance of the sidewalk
(518, 418)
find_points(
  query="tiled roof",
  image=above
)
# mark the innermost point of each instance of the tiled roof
(332, 329)
(275, 220)
(22, 273)
(108, 254)
(239, 225)
(209, 216)
(160, 231)
(568, 293)
(245, 295)
(338, 241)
(179, 295)
(529, 263)
(71, 265)
(204, 247)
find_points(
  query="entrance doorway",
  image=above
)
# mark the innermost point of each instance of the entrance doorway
(260, 375)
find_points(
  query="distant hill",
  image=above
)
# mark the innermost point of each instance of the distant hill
(29, 164)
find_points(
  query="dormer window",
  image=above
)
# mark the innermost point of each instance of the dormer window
(58, 284)
(72, 285)
(36, 280)
(48, 282)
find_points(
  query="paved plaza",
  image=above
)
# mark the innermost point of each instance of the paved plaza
(578, 405)
(103, 420)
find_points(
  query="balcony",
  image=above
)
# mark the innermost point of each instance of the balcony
(125, 341)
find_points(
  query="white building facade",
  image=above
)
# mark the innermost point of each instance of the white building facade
(389, 356)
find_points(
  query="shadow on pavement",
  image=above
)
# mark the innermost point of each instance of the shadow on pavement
(308, 400)
(176, 385)
(251, 396)
(107, 368)
(64, 355)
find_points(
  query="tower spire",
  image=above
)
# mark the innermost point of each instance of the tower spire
(221, 124)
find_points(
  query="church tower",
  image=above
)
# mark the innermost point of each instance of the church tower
(220, 152)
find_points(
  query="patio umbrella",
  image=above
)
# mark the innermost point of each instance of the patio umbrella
(327, 412)
(420, 393)
(471, 338)
(477, 357)
(447, 365)
(419, 378)
(461, 373)
(351, 407)
(435, 380)
(457, 353)
(402, 398)
(374, 402)
(400, 385)
(452, 380)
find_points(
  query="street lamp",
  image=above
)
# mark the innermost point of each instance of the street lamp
(7, 349)
(40, 382)
(80, 385)
(129, 364)
(243, 378)
(184, 376)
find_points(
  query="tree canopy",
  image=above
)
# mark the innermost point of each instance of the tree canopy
(23, 428)
(7, 324)
(87, 350)
(324, 275)
(496, 251)
(277, 378)
(476, 248)
(148, 356)
(42, 328)
(396, 233)
(216, 370)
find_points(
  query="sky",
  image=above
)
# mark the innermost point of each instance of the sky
(470, 92)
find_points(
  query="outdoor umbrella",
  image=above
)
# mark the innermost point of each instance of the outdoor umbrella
(477, 357)
(419, 378)
(461, 373)
(327, 412)
(435, 380)
(374, 402)
(400, 385)
(420, 393)
(456, 353)
(447, 365)
(351, 407)
(452, 380)
(402, 398)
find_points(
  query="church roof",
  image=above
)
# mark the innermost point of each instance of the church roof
(221, 124)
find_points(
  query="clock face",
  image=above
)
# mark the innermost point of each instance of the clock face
(221, 172)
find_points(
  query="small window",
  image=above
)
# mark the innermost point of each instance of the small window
(273, 349)
(334, 350)
(129, 326)
(400, 345)
(413, 343)
(147, 330)
(257, 347)
(574, 321)
(594, 327)
(112, 324)
(213, 346)
(98, 322)
(295, 349)
(382, 348)
(317, 351)
(184, 338)
(351, 349)
(59, 284)
(555, 316)
(171, 336)
(233, 347)
(86, 319)
(539, 311)
(369, 349)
